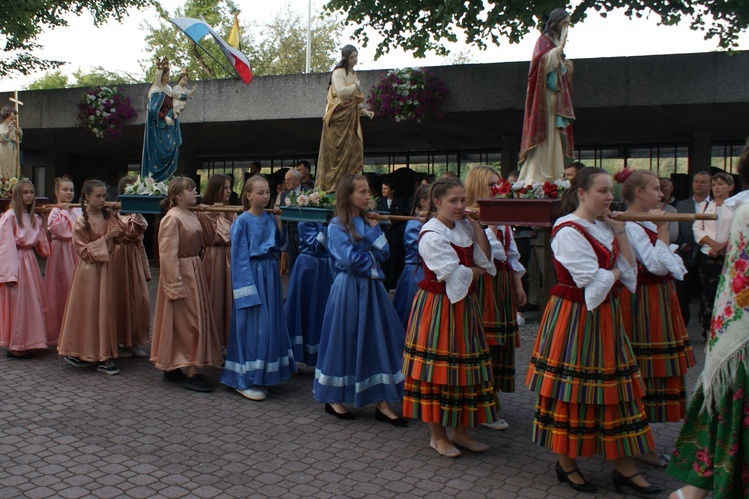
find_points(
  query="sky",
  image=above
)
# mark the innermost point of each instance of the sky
(120, 46)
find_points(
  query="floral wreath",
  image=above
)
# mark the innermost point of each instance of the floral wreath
(6, 186)
(520, 190)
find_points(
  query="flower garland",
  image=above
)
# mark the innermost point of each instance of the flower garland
(147, 187)
(6, 186)
(408, 94)
(521, 190)
(310, 199)
(103, 110)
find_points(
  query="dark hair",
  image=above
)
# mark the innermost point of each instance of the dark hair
(703, 172)
(176, 186)
(346, 51)
(555, 17)
(16, 203)
(124, 182)
(248, 186)
(388, 181)
(345, 190)
(305, 164)
(88, 188)
(439, 189)
(583, 180)
(743, 167)
(214, 189)
(421, 193)
(7, 111)
(256, 164)
(577, 165)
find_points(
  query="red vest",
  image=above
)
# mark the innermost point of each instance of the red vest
(645, 277)
(430, 282)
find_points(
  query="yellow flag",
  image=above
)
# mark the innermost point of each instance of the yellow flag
(233, 38)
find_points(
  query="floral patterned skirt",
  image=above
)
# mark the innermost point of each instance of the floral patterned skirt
(712, 452)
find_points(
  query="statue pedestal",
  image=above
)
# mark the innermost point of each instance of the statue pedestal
(304, 214)
(538, 213)
(141, 204)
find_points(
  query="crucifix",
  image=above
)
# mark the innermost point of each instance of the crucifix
(19, 132)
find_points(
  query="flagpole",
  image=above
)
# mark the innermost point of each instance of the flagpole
(309, 35)
(217, 61)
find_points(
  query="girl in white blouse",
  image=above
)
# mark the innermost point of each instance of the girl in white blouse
(587, 382)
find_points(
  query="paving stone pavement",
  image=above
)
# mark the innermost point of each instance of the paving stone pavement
(67, 432)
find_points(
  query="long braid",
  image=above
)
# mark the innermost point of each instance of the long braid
(84, 211)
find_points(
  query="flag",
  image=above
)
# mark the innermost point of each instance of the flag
(197, 29)
(234, 35)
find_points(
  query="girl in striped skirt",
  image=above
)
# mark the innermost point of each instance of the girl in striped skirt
(499, 295)
(587, 382)
(446, 360)
(652, 316)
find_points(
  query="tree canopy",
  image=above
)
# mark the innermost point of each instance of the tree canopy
(419, 26)
(96, 77)
(22, 21)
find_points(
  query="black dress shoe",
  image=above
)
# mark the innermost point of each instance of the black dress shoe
(346, 415)
(398, 421)
(564, 476)
(621, 480)
(176, 376)
(18, 355)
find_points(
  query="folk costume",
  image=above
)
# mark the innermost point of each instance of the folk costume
(25, 321)
(361, 347)
(446, 360)
(712, 451)
(653, 321)
(259, 352)
(313, 270)
(586, 378)
(58, 273)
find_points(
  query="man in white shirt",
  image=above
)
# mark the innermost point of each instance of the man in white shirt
(689, 250)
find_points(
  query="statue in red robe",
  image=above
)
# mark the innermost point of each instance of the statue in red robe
(547, 143)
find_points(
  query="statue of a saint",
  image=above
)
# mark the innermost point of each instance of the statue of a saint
(10, 137)
(547, 143)
(162, 136)
(341, 144)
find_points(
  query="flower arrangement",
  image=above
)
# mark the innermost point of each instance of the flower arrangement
(147, 187)
(521, 190)
(408, 94)
(310, 199)
(6, 186)
(103, 110)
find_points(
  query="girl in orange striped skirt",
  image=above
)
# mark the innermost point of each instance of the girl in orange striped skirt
(498, 295)
(652, 316)
(446, 359)
(587, 382)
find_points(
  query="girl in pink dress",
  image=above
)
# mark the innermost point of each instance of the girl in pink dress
(61, 262)
(24, 318)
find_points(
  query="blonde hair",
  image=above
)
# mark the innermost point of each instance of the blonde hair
(638, 179)
(477, 184)
(17, 203)
(248, 187)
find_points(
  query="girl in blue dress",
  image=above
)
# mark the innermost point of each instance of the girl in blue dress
(259, 352)
(361, 348)
(304, 310)
(413, 271)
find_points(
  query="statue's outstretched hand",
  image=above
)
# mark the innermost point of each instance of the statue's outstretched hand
(169, 121)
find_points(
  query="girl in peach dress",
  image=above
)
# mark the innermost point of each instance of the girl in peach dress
(132, 275)
(58, 274)
(184, 332)
(24, 318)
(217, 252)
(88, 336)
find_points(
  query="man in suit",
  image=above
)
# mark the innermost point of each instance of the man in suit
(688, 247)
(293, 182)
(393, 205)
